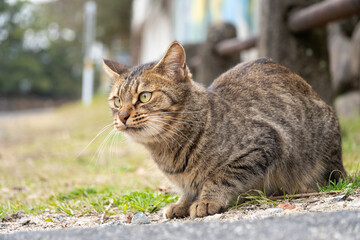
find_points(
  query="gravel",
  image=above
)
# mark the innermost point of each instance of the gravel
(51, 220)
(336, 225)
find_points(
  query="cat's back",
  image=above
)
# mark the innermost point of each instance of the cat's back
(278, 111)
(261, 79)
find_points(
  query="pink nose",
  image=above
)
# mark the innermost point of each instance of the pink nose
(123, 117)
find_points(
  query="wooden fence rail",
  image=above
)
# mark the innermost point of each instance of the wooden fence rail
(315, 15)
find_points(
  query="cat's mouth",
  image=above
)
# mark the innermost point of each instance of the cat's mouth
(128, 129)
(132, 129)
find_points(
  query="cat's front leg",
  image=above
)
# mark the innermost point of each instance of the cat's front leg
(211, 201)
(226, 183)
(180, 208)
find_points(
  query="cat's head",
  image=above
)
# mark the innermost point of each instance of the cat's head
(144, 99)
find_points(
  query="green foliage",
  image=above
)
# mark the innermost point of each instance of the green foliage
(53, 70)
(50, 70)
(113, 18)
(347, 186)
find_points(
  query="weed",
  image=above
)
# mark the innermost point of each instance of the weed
(253, 197)
(347, 186)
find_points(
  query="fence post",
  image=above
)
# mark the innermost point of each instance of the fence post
(305, 53)
(211, 64)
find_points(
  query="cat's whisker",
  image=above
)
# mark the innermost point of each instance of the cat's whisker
(187, 112)
(174, 129)
(113, 138)
(146, 129)
(183, 120)
(97, 135)
(176, 120)
(148, 124)
(108, 145)
(118, 134)
(101, 149)
(164, 129)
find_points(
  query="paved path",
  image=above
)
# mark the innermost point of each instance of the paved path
(343, 225)
(21, 113)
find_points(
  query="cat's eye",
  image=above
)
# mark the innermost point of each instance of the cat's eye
(117, 102)
(145, 97)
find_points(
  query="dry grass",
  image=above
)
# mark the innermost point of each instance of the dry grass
(39, 155)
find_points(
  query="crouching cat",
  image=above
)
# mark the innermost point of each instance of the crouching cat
(258, 126)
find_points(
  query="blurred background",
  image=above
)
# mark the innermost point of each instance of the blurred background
(53, 89)
(44, 42)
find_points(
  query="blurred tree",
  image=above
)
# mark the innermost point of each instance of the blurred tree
(41, 44)
(36, 57)
(113, 18)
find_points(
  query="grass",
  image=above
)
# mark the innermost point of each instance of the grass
(44, 167)
(350, 131)
(347, 186)
(41, 169)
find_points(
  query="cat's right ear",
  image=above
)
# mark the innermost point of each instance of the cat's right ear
(114, 69)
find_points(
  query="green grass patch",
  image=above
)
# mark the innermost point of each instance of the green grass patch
(347, 186)
(82, 201)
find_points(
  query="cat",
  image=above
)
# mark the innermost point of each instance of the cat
(258, 126)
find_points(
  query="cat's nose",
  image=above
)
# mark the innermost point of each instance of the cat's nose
(123, 116)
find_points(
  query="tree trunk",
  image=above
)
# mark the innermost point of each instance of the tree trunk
(305, 54)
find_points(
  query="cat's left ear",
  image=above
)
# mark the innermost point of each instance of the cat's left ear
(173, 64)
(114, 69)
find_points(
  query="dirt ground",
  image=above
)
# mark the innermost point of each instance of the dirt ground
(315, 203)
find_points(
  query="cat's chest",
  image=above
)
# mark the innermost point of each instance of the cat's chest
(188, 181)
(184, 172)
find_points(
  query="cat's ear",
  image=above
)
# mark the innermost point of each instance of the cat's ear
(113, 68)
(173, 63)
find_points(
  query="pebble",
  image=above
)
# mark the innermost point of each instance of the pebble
(273, 210)
(25, 222)
(140, 218)
(286, 206)
(164, 220)
(316, 207)
(116, 223)
(356, 204)
(60, 218)
(336, 199)
(269, 211)
(213, 217)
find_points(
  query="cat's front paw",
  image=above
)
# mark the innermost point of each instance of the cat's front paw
(176, 210)
(202, 208)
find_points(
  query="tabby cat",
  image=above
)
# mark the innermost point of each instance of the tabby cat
(258, 126)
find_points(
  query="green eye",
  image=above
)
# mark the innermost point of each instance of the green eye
(117, 102)
(145, 97)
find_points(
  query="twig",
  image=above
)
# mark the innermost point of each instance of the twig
(306, 195)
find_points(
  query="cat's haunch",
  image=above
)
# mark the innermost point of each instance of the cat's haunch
(258, 126)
